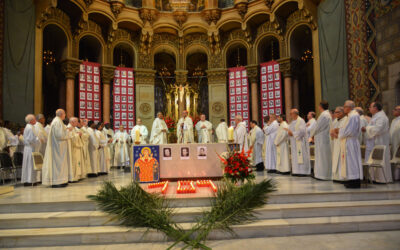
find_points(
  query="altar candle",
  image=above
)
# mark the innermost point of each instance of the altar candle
(230, 133)
(137, 136)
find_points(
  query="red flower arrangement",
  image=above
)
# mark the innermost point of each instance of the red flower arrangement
(170, 124)
(195, 120)
(237, 166)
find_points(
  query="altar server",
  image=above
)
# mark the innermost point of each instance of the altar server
(298, 140)
(311, 122)
(222, 131)
(240, 133)
(94, 145)
(143, 133)
(41, 134)
(75, 173)
(350, 155)
(270, 148)
(378, 130)
(323, 153)
(104, 155)
(86, 166)
(337, 124)
(395, 138)
(282, 146)
(121, 145)
(185, 129)
(204, 130)
(256, 141)
(55, 165)
(29, 175)
(159, 130)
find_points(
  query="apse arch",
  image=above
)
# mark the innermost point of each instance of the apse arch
(235, 44)
(166, 48)
(128, 57)
(196, 48)
(68, 50)
(91, 48)
(263, 44)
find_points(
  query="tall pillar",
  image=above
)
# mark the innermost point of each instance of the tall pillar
(107, 75)
(286, 68)
(296, 93)
(316, 70)
(70, 67)
(252, 74)
(144, 103)
(217, 95)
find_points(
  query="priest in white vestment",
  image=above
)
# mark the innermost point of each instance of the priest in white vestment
(378, 130)
(104, 155)
(256, 141)
(121, 145)
(75, 173)
(282, 147)
(143, 132)
(29, 175)
(395, 138)
(363, 123)
(56, 163)
(3, 139)
(185, 129)
(301, 165)
(311, 122)
(204, 130)
(222, 132)
(159, 130)
(350, 153)
(86, 166)
(270, 149)
(109, 134)
(94, 144)
(240, 133)
(337, 124)
(41, 133)
(323, 153)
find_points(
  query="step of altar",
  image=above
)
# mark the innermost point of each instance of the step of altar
(189, 214)
(192, 201)
(69, 236)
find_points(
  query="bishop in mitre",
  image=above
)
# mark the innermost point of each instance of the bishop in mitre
(282, 146)
(159, 130)
(143, 132)
(41, 133)
(29, 175)
(337, 124)
(256, 141)
(204, 130)
(56, 163)
(301, 165)
(240, 133)
(185, 129)
(121, 154)
(75, 173)
(222, 132)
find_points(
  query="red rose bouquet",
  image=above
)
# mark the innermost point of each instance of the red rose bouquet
(170, 124)
(237, 166)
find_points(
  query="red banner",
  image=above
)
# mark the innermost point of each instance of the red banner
(271, 89)
(124, 98)
(89, 91)
(238, 95)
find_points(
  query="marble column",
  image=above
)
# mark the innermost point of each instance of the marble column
(252, 74)
(144, 103)
(288, 94)
(217, 95)
(296, 96)
(70, 67)
(107, 75)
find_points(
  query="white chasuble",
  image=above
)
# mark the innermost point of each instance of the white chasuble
(121, 154)
(143, 133)
(94, 145)
(270, 148)
(204, 134)
(240, 136)
(104, 156)
(378, 130)
(256, 141)
(323, 153)
(300, 157)
(350, 152)
(157, 135)
(282, 149)
(76, 154)
(56, 159)
(31, 141)
(335, 142)
(222, 132)
(185, 131)
(86, 166)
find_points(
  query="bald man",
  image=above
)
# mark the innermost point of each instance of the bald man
(55, 166)
(240, 133)
(142, 131)
(29, 175)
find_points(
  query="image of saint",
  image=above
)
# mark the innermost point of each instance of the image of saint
(146, 166)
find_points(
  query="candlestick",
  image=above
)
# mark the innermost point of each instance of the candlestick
(230, 134)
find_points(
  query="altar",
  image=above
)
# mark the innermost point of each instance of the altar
(187, 161)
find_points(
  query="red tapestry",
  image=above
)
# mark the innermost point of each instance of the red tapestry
(238, 95)
(124, 98)
(89, 91)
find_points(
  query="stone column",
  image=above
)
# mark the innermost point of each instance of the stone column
(107, 75)
(181, 79)
(70, 67)
(217, 95)
(286, 69)
(296, 93)
(252, 74)
(144, 103)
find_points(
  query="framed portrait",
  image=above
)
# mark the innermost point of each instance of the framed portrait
(231, 75)
(123, 98)
(271, 111)
(89, 69)
(117, 115)
(264, 95)
(89, 115)
(244, 73)
(239, 113)
(123, 82)
(265, 113)
(237, 74)
(245, 106)
(245, 98)
(123, 116)
(123, 107)
(185, 153)
(269, 68)
(264, 78)
(123, 91)
(270, 95)
(264, 86)
(263, 70)
(117, 98)
(82, 86)
(270, 86)
(96, 79)
(89, 105)
(130, 107)
(116, 81)
(82, 77)
(277, 103)
(271, 104)
(244, 82)
(130, 73)
(130, 82)
(202, 153)
(96, 87)
(130, 91)
(89, 96)
(130, 124)
(89, 78)
(233, 107)
(95, 69)
(123, 73)
(232, 99)
(238, 98)
(277, 85)
(96, 97)
(238, 82)
(96, 106)
(245, 115)
(277, 94)
(232, 123)
(277, 76)
(130, 99)
(130, 116)
(96, 115)
(117, 90)
(231, 83)
(238, 91)
(82, 68)
(278, 111)
(232, 115)
(270, 77)
(238, 107)
(82, 114)
(116, 73)
(117, 107)
(82, 96)
(89, 87)
(276, 67)
(167, 154)
(82, 104)
(124, 123)
(244, 90)
(116, 124)
(265, 104)
(232, 91)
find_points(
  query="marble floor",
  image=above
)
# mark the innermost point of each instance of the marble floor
(79, 191)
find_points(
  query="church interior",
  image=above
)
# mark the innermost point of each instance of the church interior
(124, 68)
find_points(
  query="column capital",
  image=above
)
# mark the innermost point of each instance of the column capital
(252, 72)
(107, 73)
(289, 67)
(144, 76)
(70, 67)
(217, 76)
